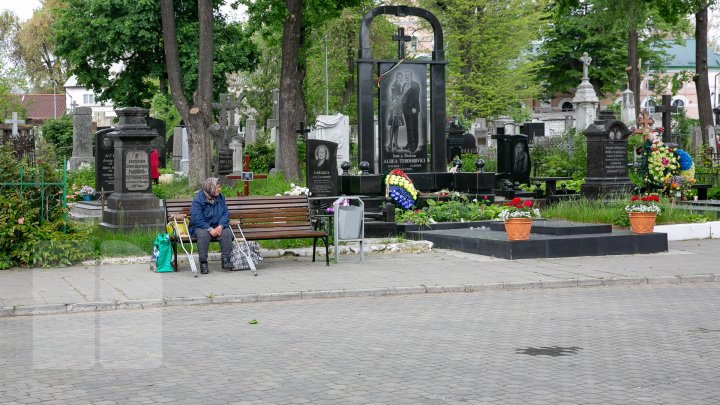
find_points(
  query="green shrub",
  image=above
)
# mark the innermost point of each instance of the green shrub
(59, 132)
(82, 177)
(262, 157)
(560, 156)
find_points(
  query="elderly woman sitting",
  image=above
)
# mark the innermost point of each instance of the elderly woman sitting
(210, 219)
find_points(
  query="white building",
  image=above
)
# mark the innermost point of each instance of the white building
(80, 96)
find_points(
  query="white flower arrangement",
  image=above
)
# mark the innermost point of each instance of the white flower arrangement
(644, 204)
(507, 214)
(297, 190)
(86, 190)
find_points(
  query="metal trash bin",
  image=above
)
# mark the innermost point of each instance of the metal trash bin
(349, 224)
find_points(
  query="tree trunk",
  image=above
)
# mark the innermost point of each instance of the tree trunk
(198, 117)
(701, 74)
(292, 105)
(633, 70)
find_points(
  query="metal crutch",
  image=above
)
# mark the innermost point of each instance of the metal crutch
(248, 254)
(193, 267)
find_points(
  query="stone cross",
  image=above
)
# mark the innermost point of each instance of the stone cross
(73, 105)
(226, 127)
(401, 38)
(586, 59)
(14, 121)
(645, 121)
(666, 109)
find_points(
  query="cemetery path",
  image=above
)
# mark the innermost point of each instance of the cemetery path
(133, 286)
(653, 344)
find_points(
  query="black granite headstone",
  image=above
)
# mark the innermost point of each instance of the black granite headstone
(159, 140)
(607, 171)
(403, 119)
(322, 173)
(132, 205)
(104, 161)
(513, 158)
(225, 161)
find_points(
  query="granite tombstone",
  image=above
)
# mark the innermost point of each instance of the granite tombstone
(132, 205)
(104, 161)
(322, 172)
(607, 171)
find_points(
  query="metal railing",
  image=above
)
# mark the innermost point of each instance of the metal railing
(51, 195)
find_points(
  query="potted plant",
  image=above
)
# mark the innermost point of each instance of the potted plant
(517, 215)
(86, 192)
(643, 212)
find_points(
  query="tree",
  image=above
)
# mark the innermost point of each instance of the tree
(488, 46)
(673, 10)
(35, 50)
(116, 48)
(119, 48)
(296, 17)
(198, 115)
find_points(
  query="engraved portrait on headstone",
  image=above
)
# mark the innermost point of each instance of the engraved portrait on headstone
(403, 117)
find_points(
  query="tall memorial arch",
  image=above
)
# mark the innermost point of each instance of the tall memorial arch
(368, 90)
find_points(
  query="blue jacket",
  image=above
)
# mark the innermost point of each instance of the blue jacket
(204, 215)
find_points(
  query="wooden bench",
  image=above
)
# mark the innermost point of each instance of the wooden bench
(261, 218)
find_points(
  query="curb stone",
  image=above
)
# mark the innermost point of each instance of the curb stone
(54, 309)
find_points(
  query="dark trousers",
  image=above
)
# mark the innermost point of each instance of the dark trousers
(203, 242)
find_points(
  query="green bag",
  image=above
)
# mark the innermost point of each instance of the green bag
(163, 253)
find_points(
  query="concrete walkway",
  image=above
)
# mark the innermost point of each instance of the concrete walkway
(409, 268)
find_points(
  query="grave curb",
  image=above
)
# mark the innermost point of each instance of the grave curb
(55, 309)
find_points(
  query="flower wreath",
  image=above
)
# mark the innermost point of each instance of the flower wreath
(665, 167)
(400, 189)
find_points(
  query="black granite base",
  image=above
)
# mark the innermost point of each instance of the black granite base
(548, 239)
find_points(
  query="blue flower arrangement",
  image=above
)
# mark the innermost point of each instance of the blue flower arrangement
(400, 189)
(684, 158)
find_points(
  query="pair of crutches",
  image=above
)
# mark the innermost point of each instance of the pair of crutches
(180, 236)
(247, 252)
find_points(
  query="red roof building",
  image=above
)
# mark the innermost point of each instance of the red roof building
(41, 107)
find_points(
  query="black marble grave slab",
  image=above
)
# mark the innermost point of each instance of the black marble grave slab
(368, 184)
(492, 241)
(474, 182)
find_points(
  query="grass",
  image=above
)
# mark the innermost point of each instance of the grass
(272, 185)
(613, 212)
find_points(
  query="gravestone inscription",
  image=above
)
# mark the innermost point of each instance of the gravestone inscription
(322, 172)
(104, 161)
(607, 171)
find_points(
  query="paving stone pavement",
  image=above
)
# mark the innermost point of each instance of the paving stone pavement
(109, 286)
(623, 345)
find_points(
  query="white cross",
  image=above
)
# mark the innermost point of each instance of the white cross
(14, 121)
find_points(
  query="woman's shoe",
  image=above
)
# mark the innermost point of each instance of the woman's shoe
(204, 268)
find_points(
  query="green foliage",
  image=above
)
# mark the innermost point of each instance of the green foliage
(262, 157)
(8, 103)
(488, 44)
(59, 132)
(455, 210)
(560, 156)
(162, 108)
(600, 28)
(94, 35)
(33, 230)
(82, 177)
(341, 36)
(612, 211)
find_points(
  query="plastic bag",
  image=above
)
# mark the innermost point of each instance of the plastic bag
(162, 253)
(238, 259)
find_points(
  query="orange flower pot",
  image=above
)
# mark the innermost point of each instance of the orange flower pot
(642, 222)
(518, 228)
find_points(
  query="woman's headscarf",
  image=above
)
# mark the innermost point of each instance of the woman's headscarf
(209, 187)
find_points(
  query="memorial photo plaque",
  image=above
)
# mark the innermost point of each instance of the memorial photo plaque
(322, 173)
(403, 117)
(137, 170)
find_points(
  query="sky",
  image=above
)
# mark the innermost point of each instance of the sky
(24, 8)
